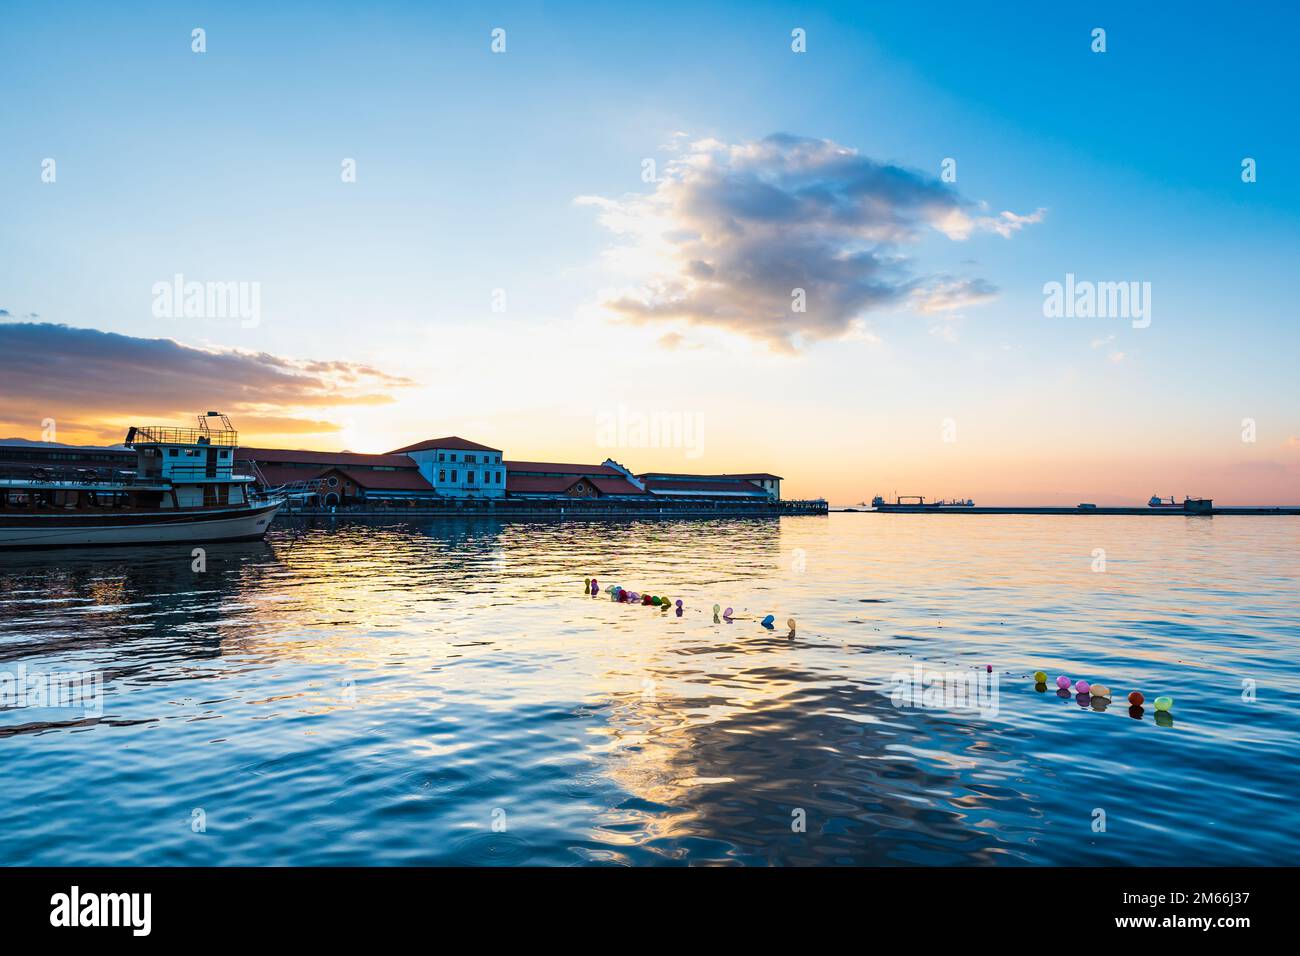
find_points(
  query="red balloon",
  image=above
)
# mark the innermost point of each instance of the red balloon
(1136, 699)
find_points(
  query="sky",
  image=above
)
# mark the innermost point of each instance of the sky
(816, 240)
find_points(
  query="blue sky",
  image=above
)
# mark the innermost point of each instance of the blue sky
(225, 166)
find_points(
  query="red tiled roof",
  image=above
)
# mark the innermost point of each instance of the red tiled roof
(386, 480)
(616, 486)
(559, 468)
(283, 475)
(676, 475)
(452, 442)
(302, 456)
(536, 485)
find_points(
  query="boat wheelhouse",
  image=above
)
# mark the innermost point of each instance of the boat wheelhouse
(184, 489)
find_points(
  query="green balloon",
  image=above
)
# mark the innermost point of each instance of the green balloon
(1164, 703)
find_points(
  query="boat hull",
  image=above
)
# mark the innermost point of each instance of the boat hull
(73, 530)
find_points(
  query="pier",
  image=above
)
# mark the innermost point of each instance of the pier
(569, 508)
(1081, 510)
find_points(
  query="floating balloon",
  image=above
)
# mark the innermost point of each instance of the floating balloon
(1063, 682)
(767, 621)
(727, 613)
(586, 584)
(1082, 687)
(1099, 690)
(717, 608)
(989, 668)
(678, 602)
(789, 622)
(1040, 677)
(1164, 703)
(1136, 699)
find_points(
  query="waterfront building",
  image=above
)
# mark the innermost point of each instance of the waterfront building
(425, 472)
(19, 454)
(459, 468)
(756, 485)
(338, 477)
(550, 479)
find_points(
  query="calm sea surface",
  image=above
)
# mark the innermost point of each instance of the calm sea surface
(442, 692)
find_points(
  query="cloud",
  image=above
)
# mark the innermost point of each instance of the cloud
(88, 380)
(730, 231)
(950, 295)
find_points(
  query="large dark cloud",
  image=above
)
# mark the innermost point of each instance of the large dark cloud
(731, 230)
(81, 377)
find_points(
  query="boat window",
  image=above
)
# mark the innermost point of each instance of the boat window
(172, 452)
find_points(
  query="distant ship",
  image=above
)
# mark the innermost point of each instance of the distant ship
(184, 490)
(1188, 504)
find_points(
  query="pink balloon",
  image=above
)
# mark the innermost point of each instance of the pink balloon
(1063, 682)
(1082, 687)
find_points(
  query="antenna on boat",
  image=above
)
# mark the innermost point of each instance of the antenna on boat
(225, 431)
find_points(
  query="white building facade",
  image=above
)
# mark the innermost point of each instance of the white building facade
(459, 468)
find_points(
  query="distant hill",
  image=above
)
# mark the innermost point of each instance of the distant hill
(55, 444)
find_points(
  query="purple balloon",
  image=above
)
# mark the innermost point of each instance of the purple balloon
(727, 613)
(1083, 687)
(1063, 682)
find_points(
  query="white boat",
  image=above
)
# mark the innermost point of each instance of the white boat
(184, 490)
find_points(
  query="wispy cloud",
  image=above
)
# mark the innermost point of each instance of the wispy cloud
(731, 231)
(60, 372)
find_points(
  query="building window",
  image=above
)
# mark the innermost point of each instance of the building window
(333, 482)
(453, 474)
(442, 456)
(469, 477)
(472, 459)
(442, 475)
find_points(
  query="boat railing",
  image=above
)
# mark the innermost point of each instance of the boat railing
(173, 435)
(75, 476)
(200, 472)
